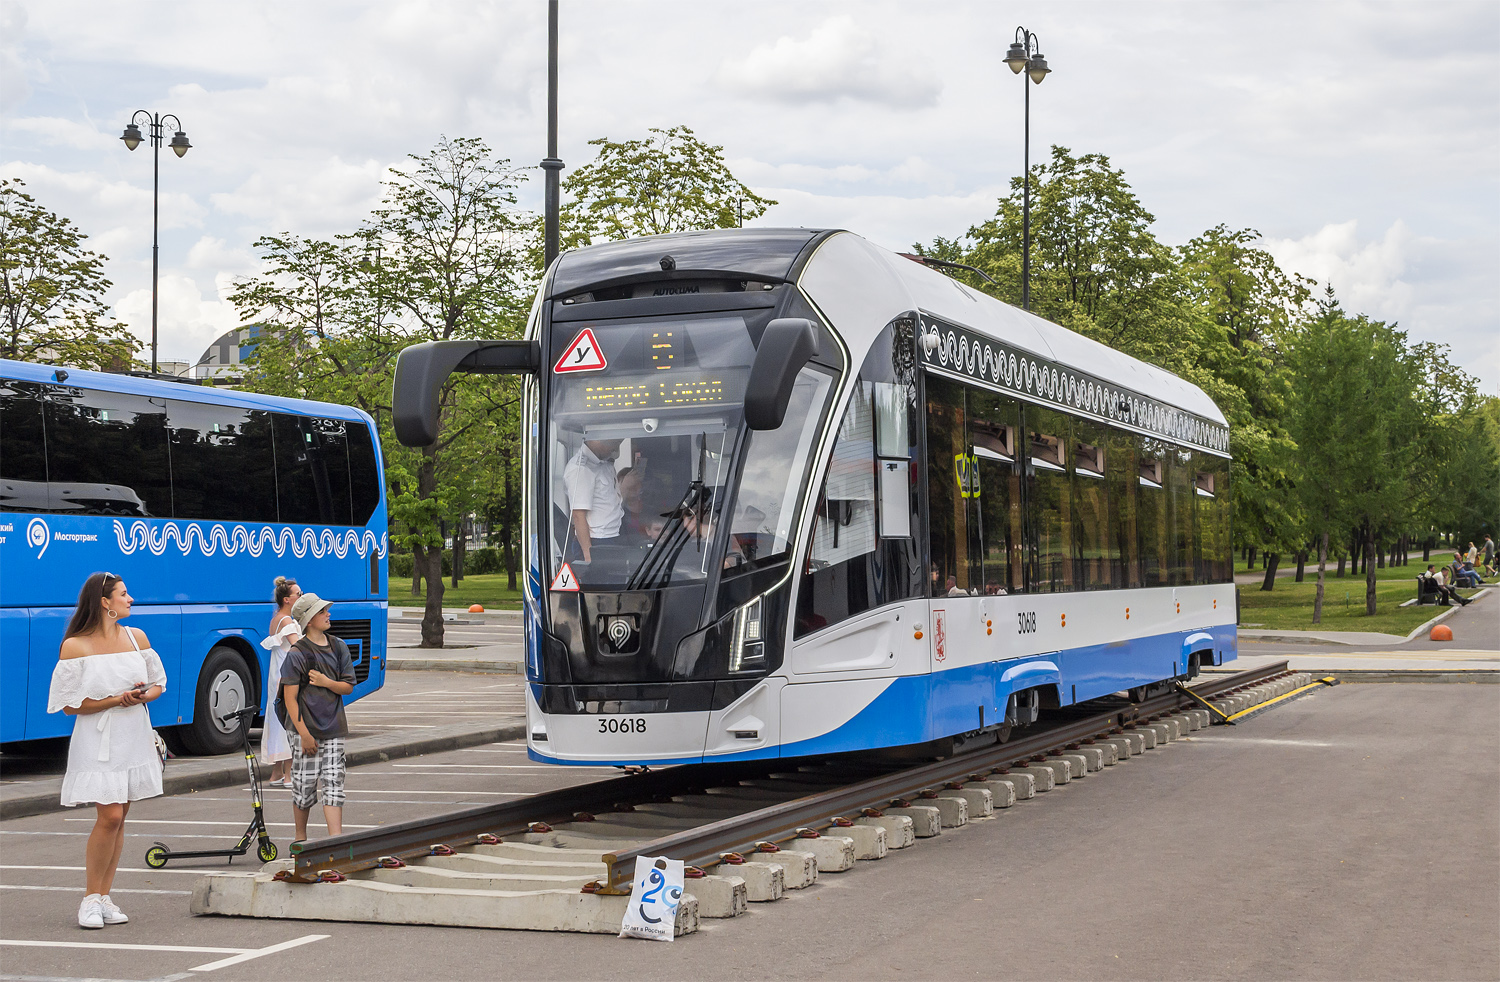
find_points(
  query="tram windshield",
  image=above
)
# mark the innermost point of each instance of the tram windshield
(654, 481)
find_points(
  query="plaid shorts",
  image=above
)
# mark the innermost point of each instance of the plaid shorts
(326, 765)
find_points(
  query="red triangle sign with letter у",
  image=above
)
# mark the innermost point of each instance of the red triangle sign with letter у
(583, 355)
(565, 581)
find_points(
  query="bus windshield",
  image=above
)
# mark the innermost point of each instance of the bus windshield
(645, 453)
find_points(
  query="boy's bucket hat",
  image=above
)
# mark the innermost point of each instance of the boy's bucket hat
(306, 608)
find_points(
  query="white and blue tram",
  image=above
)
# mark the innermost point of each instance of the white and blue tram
(791, 494)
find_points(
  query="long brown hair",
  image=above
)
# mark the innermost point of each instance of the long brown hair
(89, 614)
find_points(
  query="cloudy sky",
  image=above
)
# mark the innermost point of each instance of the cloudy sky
(1362, 140)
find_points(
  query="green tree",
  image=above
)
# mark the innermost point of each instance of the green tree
(53, 290)
(668, 182)
(441, 258)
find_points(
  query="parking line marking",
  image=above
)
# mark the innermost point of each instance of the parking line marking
(258, 953)
(121, 869)
(153, 821)
(104, 945)
(113, 890)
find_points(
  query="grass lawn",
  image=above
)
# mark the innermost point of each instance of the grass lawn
(491, 590)
(1290, 606)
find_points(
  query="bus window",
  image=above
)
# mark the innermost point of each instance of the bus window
(1050, 500)
(1096, 548)
(364, 473)
(312, 470)
(994, 425)
(107, 454)
(223, 465)
(951, 479)
(23, 461)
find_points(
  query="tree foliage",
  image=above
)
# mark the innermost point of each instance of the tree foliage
(52, 289)
(441, 258)
(668, 182)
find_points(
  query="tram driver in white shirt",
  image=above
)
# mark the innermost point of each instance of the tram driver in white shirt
(594, 495)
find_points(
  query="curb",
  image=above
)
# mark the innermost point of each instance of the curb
(1435, 622)
(1478, 676)
(198, 774)
(452, 665)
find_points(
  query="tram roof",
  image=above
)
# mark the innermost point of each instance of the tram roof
(838, 259)
(24, 371)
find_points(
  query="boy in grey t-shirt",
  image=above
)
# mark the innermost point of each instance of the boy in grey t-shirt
(315, 676)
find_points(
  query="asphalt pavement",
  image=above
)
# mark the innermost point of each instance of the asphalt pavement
(1349, 834)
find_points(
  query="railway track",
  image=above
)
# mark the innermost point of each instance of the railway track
(787, 818)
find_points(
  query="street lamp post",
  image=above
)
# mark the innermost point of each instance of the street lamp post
(1026, 56)
(552, 165)
(133, 138)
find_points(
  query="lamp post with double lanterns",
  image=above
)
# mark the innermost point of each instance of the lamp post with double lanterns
(132, 138)
(1025, 56)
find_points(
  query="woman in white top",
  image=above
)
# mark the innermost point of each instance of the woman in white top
(105, 675)
(283, 633)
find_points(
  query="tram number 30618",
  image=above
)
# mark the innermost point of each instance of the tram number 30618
(619, 724)
(1026, 622)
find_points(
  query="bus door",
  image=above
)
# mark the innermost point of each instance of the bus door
(15, 642)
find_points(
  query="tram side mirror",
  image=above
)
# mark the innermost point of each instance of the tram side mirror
(785, 347)
(422, 369)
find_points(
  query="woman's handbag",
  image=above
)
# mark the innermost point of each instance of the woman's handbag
(161, 750)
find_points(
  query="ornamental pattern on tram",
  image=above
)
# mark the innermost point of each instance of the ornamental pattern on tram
(236, 539)
(996, 363)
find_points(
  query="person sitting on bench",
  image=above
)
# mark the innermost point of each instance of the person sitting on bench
(1434, 584)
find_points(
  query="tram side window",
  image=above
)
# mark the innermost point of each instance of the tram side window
(1153, 514)
(23, 460)
(861, 559)
(107, 454)
(994, 428)
(952, 516)
(1122, 479)
(1180, 481)
(1050, 500)
(312, 470)
(364, 473)
(1096, 548)
(223, 463)
(1214, 551)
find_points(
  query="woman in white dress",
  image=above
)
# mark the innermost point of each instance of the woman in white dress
(105, 675)
(283, 633)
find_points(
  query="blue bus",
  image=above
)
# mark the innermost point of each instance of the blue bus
(199, 497)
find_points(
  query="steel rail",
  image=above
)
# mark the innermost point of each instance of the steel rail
(785, 821)
(355, 851)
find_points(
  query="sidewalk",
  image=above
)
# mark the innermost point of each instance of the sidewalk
(185, 774)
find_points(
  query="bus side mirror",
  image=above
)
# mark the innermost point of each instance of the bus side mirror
(785, 347)
(422, 369)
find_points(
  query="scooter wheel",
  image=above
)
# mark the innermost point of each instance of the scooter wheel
(156, 856)
(267, 851)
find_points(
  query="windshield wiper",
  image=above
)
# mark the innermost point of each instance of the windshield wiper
(669, 544)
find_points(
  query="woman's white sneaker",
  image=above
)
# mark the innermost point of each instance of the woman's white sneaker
(112, 914)
(91, 912)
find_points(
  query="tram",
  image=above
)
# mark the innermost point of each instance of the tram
(790, 493)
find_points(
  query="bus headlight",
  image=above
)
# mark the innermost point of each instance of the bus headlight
(746, 648)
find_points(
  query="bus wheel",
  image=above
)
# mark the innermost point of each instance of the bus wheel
(223, 688)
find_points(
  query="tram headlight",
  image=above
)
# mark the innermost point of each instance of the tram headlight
(746, 649)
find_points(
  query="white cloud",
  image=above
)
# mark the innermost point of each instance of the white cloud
(13, 87)
(53, 131)
(838, 59)
(187, 322)
(1366, 274)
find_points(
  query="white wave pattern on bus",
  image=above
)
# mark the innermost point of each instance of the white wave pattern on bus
(236, 539)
